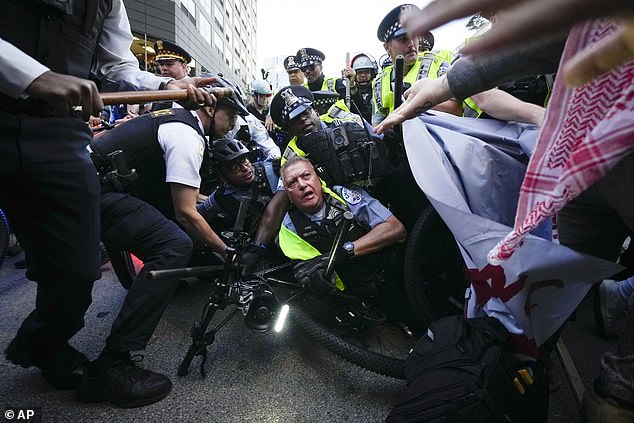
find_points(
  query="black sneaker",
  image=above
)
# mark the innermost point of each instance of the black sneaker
(63, 368)
(124, 385)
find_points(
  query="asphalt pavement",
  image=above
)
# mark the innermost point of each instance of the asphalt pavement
(251, 377)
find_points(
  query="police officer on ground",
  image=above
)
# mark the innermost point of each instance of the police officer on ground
(49, 74)
(291, 110)
(416, 65)
(309, 227)
(241, 180)
(144, 215)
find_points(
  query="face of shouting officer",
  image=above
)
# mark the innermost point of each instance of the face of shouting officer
(302, 185)
(312, 72)
(404, 45)
(238, 172)
(307, 122)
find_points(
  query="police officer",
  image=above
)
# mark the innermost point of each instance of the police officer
(261, 94)
(365, 68)
(416, 65)
(295, 74)
(43, 160)
(240, 179)
(167, 149)
(172, 61)
(310, 62)
(308, 230)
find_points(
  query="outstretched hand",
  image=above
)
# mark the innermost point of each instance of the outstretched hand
(420, 97)
(519, 20)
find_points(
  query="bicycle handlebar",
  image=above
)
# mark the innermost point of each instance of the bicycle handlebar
(340, 237)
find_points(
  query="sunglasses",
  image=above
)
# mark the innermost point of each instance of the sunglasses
(310, 67)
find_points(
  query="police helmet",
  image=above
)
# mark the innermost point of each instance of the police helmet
(236, 101)
(226, 149)
(260, 86)
(364, 61)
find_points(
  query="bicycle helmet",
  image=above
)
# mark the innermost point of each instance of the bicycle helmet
(364, 61)
(260, 86)
(235, 101)
(226, 149)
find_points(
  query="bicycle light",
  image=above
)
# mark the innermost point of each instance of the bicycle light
(281, 318)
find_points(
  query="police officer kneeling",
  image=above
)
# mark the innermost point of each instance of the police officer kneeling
(167, 149)
(309, 227)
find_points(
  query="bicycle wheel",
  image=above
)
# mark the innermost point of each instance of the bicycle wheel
(435, 273)
(362, 337)
(4, 236)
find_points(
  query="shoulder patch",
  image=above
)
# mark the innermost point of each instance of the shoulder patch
(350, 196)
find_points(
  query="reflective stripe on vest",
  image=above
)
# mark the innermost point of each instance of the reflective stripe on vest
(427, 66)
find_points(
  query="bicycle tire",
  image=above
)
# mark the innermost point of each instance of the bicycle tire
(4, 236)
(435, 273)
(349, 349)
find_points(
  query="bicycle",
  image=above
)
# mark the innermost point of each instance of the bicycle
(351, 326)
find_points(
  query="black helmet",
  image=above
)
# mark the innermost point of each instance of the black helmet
(364, 61)
(236, 101)
(226, 149)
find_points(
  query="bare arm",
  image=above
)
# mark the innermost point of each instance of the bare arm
(184, 199)
(382, 235)
(502, 105)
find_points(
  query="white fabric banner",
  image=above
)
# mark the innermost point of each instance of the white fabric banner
(474, 186)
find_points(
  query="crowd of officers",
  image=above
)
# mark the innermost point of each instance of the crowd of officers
(193, 168)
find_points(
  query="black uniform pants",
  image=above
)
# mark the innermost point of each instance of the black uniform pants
(130, 224)
(50, 192)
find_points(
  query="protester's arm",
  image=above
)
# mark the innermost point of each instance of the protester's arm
(503, 106)
(469, 76)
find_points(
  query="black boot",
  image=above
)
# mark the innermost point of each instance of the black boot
(120, 382)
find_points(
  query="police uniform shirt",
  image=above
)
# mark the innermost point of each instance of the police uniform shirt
(210, 208)
(258, 134)
(184, 149)
(365, 209)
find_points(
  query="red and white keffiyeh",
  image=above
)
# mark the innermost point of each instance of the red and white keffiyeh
(586, 131)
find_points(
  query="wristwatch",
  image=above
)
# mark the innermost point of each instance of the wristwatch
(348, 247)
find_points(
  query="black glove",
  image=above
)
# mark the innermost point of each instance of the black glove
(315, 270)
(251, 257)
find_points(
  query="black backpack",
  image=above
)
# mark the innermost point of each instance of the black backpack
(462, 371)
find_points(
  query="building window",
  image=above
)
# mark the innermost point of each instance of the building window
(219, 45)
(228, 57)
(190, 8)
(218, 16)
(207, 6)
(205, 29)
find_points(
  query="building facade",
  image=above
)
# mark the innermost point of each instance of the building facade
(220, 35)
